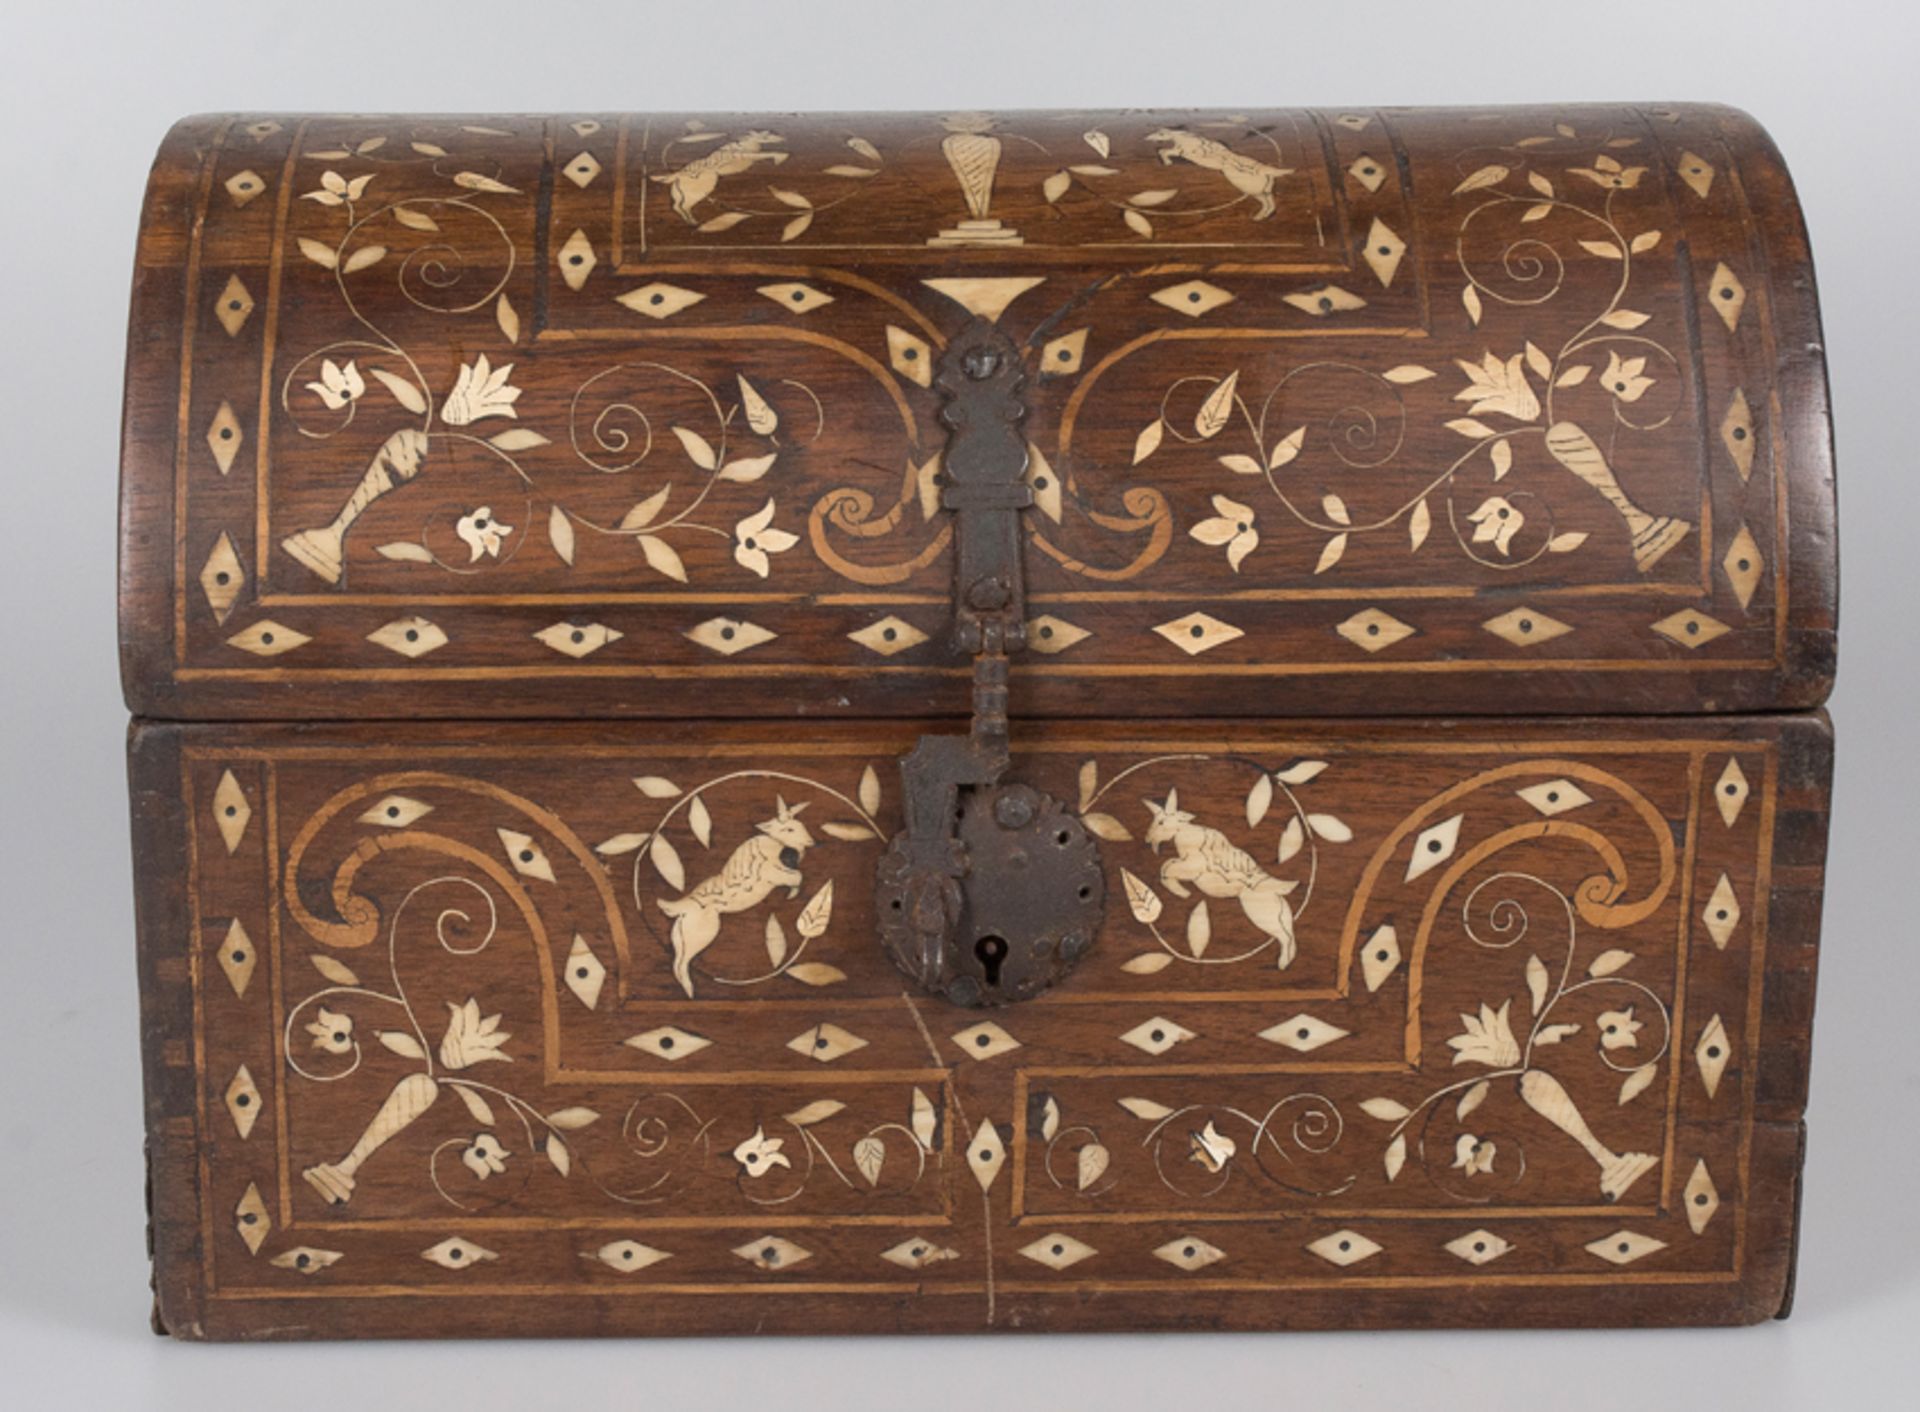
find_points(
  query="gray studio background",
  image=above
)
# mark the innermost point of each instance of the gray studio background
(87, 91)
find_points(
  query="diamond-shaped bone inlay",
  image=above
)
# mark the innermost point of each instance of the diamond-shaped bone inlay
(1712, 1053)
(669, 1042)
(306, 1259)
(1624, 1247)
(825, 1043)
(222, 578)
(729, 635)
(1479, 1247)
(1555, 796)
(396, 811)
(243, 186)
(1327, 299)
(1730, 791)
(1303, 1033)
(243, 1102)
(1156, 1036)
(1064, 354)
(1742, 566)
(1736, 433)
(1193, 298)
(1383, 252)
(1723, 912)
(888, 636)
(796, 298)
(268, 639)
(231, 810)
(986, 1154)
(1434, 846)
(629, 1256)
(1189, 1253)
(1690, 628)
(1697, 172)
(772, 1253)
(578, 639)
(1701, 1198)
(1526, 627)
(917, 1252)
(457, 1253)
(1380, 957)
(1344, 1248)
(224, 435)
(1727, 295)
(576, 259)
(1058, 1251)
(582, 170)
(658, 301)
(1371, 630)
(251, 1220)
(1367, 172)
(985, 1040)
(233, 307)
(528, 858)
(1048, 634)
(238, 957)
(1198, 632)
(909, 356)
(410, 637)
(585, 974)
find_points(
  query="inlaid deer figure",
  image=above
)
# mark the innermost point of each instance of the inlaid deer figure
(695, 182)
(1216, 866)
(1246, 175)
(770, 859)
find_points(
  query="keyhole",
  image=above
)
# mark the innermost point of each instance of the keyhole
(991, 950)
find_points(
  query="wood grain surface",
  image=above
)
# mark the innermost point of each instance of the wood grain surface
(1333, 412)
(420, 1060)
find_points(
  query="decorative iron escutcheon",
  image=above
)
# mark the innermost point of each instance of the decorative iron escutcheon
(993, 890)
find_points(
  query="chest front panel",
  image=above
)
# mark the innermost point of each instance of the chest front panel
(598, 1021)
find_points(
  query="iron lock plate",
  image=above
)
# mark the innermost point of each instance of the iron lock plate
(993, 890)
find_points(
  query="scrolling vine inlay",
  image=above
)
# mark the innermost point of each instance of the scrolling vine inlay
(1430, 999)
(1309, 395)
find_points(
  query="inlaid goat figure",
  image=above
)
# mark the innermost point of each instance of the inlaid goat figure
(695, 182)
(1245, 174)
(768, 860)
(1211, 861)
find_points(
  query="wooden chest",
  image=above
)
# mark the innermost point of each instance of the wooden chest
(957, 721)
